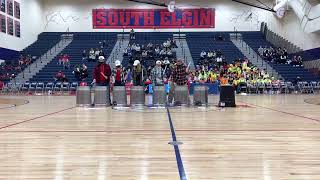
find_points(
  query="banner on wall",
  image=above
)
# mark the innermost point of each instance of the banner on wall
(16, 10)
(3, 27)
(17, 29)
(10, 26)
(3, 5)
(153, 18)
(10, 7)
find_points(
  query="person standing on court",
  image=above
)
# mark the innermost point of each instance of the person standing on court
(157, 74)
(102, 73)
(118, 74)
(139, 73)
(178, 77)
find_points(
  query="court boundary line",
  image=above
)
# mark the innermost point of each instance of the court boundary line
(35, 118)
(181, 169)
(164, 130)
(283, 112)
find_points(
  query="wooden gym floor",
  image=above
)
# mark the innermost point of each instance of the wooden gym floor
(266, 138)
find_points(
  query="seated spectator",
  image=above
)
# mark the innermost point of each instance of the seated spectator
(92, 56)
(97, 54)
(299, 61)
(101, 53)
(203, 55)
(84, 72)
(203, 76)
(60, 77)
(77, 72)
(66, 61)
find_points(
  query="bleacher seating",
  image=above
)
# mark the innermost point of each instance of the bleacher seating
(309, 55)
(288, 72)
(209, 41)
(44, 43)
(8, 54)
(80, 42)
(144, 38)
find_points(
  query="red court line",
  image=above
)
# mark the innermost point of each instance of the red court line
(181, 130)
(35, 118)
(284, 112)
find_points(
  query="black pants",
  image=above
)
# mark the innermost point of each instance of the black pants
(118, 83)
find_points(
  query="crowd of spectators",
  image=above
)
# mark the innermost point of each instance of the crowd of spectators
(10, 69)
(80, 71)
(64, 60)
(240, 73)
(279, 56)
(211, 57)
(151, 52)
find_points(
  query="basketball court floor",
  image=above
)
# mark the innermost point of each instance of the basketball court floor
(265, 138)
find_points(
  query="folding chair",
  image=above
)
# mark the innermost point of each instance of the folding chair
(306, 87)
(65, 87)
(57, 87)
(290, 87)
(261, 88)
(268, 88)
(33, 87)
(276, 88)
(73, 87)
(15, 88)
(40, 88)
(25, 87)
(49, 87)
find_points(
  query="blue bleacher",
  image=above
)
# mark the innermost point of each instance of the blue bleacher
(209, 41)
(8, 54)
(288, 72)
(80, 42)
(44, 43)
(309, 55)
(38, 48)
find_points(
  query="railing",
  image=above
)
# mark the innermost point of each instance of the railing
(40, 59)
(256, 58)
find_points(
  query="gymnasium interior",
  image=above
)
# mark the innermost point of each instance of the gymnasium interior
(160, 90)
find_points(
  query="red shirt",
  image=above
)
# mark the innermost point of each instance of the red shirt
(118, 75)
(102, 69)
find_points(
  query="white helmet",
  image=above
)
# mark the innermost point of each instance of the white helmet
(136, 62)
(158, 62)
(117, 63)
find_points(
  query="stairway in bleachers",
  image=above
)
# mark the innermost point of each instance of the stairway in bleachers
(252, 56)
(183, 50)
(80, 42)
(118, 49)
(288, 72)
(42, 61)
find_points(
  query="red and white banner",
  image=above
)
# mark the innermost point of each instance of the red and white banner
(153, 18)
